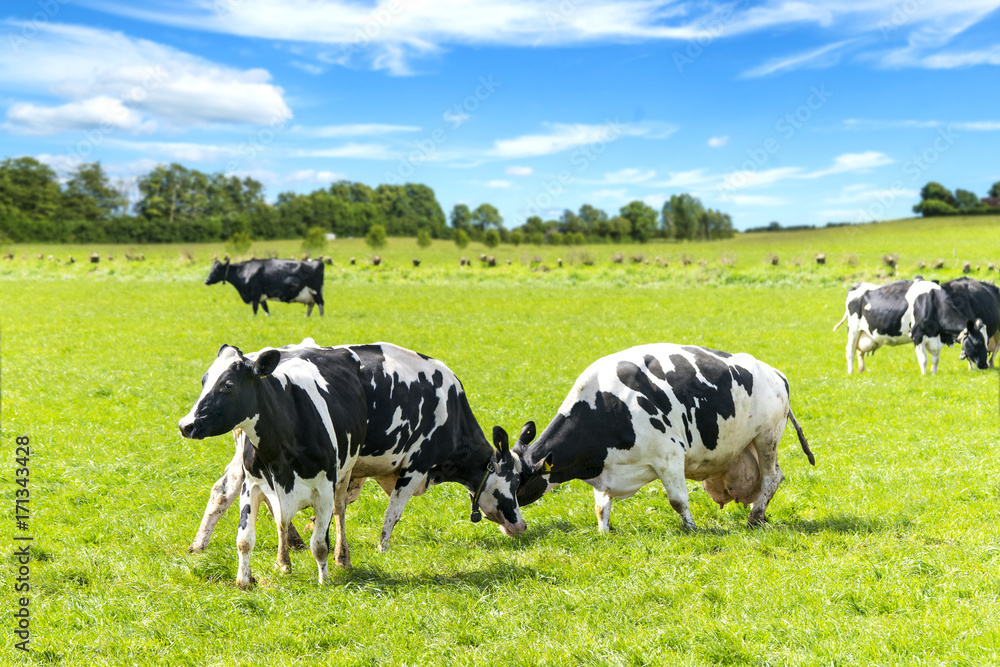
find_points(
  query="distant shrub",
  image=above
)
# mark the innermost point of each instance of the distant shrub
(424, 238)
(376, 237)
(314, 240)
(491, 239)
(461, 238)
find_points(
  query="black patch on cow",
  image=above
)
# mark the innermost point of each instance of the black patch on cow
(650, 398)
(244, 515)
(976, 299)
(658, 425)
(579, 443)
(703, 350)
(883, 308)
(935, 315)
(703, 403)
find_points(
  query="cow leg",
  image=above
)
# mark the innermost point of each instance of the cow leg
(263, 304)
(992, 346)
(319, 302)
(309, 309)
(246, 534)
(853, 333)
(771, 475)
(354, 490)
(341, 551)
(401, 493)
(319, 544)
(671, 475)
(224, 492)
(602, 507)
(285, 529)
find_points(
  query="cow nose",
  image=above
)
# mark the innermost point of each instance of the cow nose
(186, 429)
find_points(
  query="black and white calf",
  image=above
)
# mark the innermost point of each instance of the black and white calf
(258, 280)
(905, 311)
(303, 415)
(979, 302)
(666, 412)
(420, 431)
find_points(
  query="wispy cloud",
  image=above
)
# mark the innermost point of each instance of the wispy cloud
(498, 183)
(754, 200)
(313, 176)
(355, 130)
(718, 142)
(97, 111)
(824, 56)
(351, 150)
(629, 176)
(969, 126)
(563, 137)
(519, 171)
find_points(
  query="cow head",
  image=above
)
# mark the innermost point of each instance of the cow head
(533, 478)
(495, 496)
(974, 348)
(229, 393)
(218, 272)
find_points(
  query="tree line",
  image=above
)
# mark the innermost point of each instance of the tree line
(177, 204)
(935, 200)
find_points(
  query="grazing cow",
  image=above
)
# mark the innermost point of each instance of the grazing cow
(978, 301)
(304, 417)
(258, 280)
(420, 431)
(666, 412)
(916, 311)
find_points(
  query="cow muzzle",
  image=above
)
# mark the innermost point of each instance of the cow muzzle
(189, 429)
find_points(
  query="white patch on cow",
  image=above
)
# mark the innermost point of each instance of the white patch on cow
(222, 363)
(306, 376)
(249, 426)
(306, 296)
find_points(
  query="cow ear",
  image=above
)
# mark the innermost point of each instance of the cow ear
(266, 362)
(527, 435)
(544, 466)
(500, 440)
(228, 351)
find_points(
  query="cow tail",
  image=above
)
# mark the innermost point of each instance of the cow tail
(802, 438)
(837, 325)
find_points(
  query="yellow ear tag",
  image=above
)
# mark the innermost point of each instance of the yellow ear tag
(548, 467)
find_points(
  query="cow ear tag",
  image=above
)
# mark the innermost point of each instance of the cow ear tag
(548, 467)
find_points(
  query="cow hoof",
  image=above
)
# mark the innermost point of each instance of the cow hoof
(285, 568)
(382, 547)
(244, 585)
(756, 521)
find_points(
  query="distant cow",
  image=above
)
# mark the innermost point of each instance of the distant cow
(979, 301)
(304, 416)
(420, 431)
(666, 412)
(905, 311)
(258, 280)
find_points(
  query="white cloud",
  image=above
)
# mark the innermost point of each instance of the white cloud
(686, 179)
(718, 142)
(620, 194)
(102, 111)
(564, 137)
(390, 35)
(969, 126)
(179, 151)
(629, 176)
(308, 68)
(864, 194)
(754, 200)
(497, 183)
(313, 176)
(519, 171)
(824, 56)
(355, 130)
(82, 64)
(852, 162)
(351, 150)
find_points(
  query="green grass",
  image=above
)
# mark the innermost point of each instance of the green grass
(885, 553)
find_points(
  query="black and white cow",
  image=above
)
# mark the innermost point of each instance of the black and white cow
(905, 311)
(666, 412)
(258, 280)
(420, 431)
(852, 306)
(978, 301)
(303, 413)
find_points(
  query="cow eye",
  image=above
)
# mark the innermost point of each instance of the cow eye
(228, 386)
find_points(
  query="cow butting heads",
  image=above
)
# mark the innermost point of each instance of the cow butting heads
(666, 412)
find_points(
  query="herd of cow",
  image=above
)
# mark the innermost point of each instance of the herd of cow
(312, 423)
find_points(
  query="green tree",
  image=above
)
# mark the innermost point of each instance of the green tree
(681, 215)
(591, 218)
(485, 216)
(491, 238)
(376, 237)
(934, 207)
(966, 199)
(90, 196)
(642, 218)
(937, 191)
(461, 238)
(517, 237)
(461, 217)
(314, 240)
(424, 238)
(620, 228)
(995, 190)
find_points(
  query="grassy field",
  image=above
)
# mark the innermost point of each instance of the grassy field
(887, 552)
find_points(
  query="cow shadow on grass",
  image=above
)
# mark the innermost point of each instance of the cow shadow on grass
(485, 580)
(845, 524)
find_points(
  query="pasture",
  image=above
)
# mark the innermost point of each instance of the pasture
(887, 552)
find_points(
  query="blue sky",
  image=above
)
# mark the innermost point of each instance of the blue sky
(800, 112)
